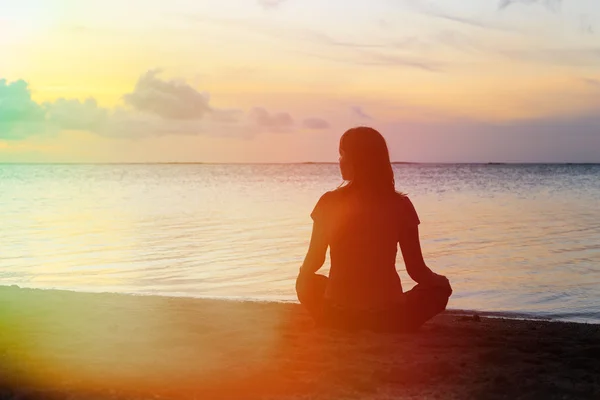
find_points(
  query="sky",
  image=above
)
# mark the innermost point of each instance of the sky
(281, 80)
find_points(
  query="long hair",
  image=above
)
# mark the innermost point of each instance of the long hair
(366, 151)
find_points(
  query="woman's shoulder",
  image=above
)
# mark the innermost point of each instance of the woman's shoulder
(331, 195)
(402, 196)
(340, 191)
(326, 197)
(325, 203)
(407, 207)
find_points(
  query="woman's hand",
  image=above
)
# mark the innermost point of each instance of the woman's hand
(438, 280)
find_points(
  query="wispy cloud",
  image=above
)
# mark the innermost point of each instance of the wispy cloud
(430, 9)
(276, 122)
(586, 26)
(360, 113)
(588, 56)
(268, 4)
(592, 82)
(412, 52)
(550, 4)
(391, 59)
(459, 41)
(381, 59)
(315, 124)
(358, 53)
(274, 30)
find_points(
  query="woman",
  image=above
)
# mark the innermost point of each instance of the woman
(362, 223)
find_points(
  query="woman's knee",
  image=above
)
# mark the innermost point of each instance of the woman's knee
(310, 288)
(446, 290)
(441, 294)
(441, 289)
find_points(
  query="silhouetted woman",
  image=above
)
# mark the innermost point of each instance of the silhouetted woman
(362, 223)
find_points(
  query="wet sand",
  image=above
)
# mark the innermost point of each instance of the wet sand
(57, 344)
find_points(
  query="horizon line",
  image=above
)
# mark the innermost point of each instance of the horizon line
(302, 163)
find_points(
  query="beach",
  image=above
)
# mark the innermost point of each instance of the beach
(60, 344)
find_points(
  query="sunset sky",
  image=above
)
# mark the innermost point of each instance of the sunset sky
(280, 80)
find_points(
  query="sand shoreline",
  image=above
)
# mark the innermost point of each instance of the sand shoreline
(516, 315)
(60, 343)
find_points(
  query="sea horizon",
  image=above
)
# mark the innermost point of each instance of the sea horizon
(516, 163)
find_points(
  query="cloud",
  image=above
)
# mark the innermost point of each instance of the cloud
(381, 59)
(231, 116)
(155, 107)
(359, 112)
(168, 99)
(430, 9)
(20, 116)
(267, 4)
(592, 82)
(359, 53)
(459, 41)
(553, 5)
(72, 114)
(273, 122)
(387, 59)
(452, 39)
(574, 138)
(315, 124)
(125, 124)
(586, 26)
(287, 31)
(583, 56)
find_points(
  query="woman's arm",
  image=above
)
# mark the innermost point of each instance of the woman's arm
(410, 245)
(415, 265)
(317, 250)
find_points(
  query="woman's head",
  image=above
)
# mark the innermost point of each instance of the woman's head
(365, 160)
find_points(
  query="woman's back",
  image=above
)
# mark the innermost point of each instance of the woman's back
(362, 224)
(363, 233)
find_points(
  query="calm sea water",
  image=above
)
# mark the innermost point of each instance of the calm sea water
(511, 238)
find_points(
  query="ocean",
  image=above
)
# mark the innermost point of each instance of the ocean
(516, 240)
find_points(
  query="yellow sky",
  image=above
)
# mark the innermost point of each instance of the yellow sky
(416, 60)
